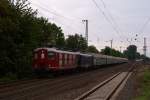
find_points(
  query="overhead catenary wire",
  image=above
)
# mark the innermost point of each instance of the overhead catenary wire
(113, 20)
(142, 29)
(70, 17)
(144, 26)
(58, 15)
(58, 22)
(107, 19)
(110, 15)
(54, 12)
(68, 27)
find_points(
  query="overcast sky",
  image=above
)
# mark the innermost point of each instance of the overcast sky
(119, 20)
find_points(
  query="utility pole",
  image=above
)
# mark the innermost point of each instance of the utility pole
(120, 48)
(144, 47)
(111, 41)
(86, 30)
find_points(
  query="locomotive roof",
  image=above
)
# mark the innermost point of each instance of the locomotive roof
(55, 50)
(85, 54)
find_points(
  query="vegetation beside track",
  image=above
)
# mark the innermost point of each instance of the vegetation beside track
(8, 79)
(144, 86)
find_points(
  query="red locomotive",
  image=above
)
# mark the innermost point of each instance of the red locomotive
(51, 59)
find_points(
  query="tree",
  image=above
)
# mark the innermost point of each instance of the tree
(17, 37)
(92, 49)
(111, 52)
(48, 33)
(76, 43)
(21, 32)
(138, 56)
(131, 52)
(106, 51)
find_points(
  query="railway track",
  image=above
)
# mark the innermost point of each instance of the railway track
(58, 87)
(108, 89)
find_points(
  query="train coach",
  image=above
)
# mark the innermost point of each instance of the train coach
(99, 59)
(51, 59)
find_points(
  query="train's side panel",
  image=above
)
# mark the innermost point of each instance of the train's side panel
(103, 60)
(109, 60)
(67, 61)
(99, 60)
(85, 61)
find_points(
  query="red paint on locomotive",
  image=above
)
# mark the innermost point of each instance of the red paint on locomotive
(52, 59)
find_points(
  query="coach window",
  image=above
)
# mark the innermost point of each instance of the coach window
(73, 58)
(70, 59)
(60, 59)
(51, 55)
(60, 56)
(65, 58)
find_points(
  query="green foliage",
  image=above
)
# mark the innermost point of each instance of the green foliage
(48, 33)
(16, 37)
(92, 49)
(9, 77)
(22, 31)
(111, 52)
(145, 87)
(76, 43)
(131, 52)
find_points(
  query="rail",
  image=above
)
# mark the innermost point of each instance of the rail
(99, 93)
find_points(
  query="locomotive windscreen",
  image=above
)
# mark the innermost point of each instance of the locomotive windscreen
(51, 55)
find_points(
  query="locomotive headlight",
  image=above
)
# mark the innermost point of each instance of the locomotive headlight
(42, 55)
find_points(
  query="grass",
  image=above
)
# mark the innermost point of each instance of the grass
(8, 78)
(11, 77)
(144, 87)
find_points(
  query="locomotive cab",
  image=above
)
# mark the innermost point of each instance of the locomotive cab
(39, 59)
(44, 59)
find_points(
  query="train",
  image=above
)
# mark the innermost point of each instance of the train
(52, 59)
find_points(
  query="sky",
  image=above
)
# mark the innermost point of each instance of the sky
(125, 22)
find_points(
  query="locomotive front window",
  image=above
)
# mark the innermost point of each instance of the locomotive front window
(51, 55)
(35, 56)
